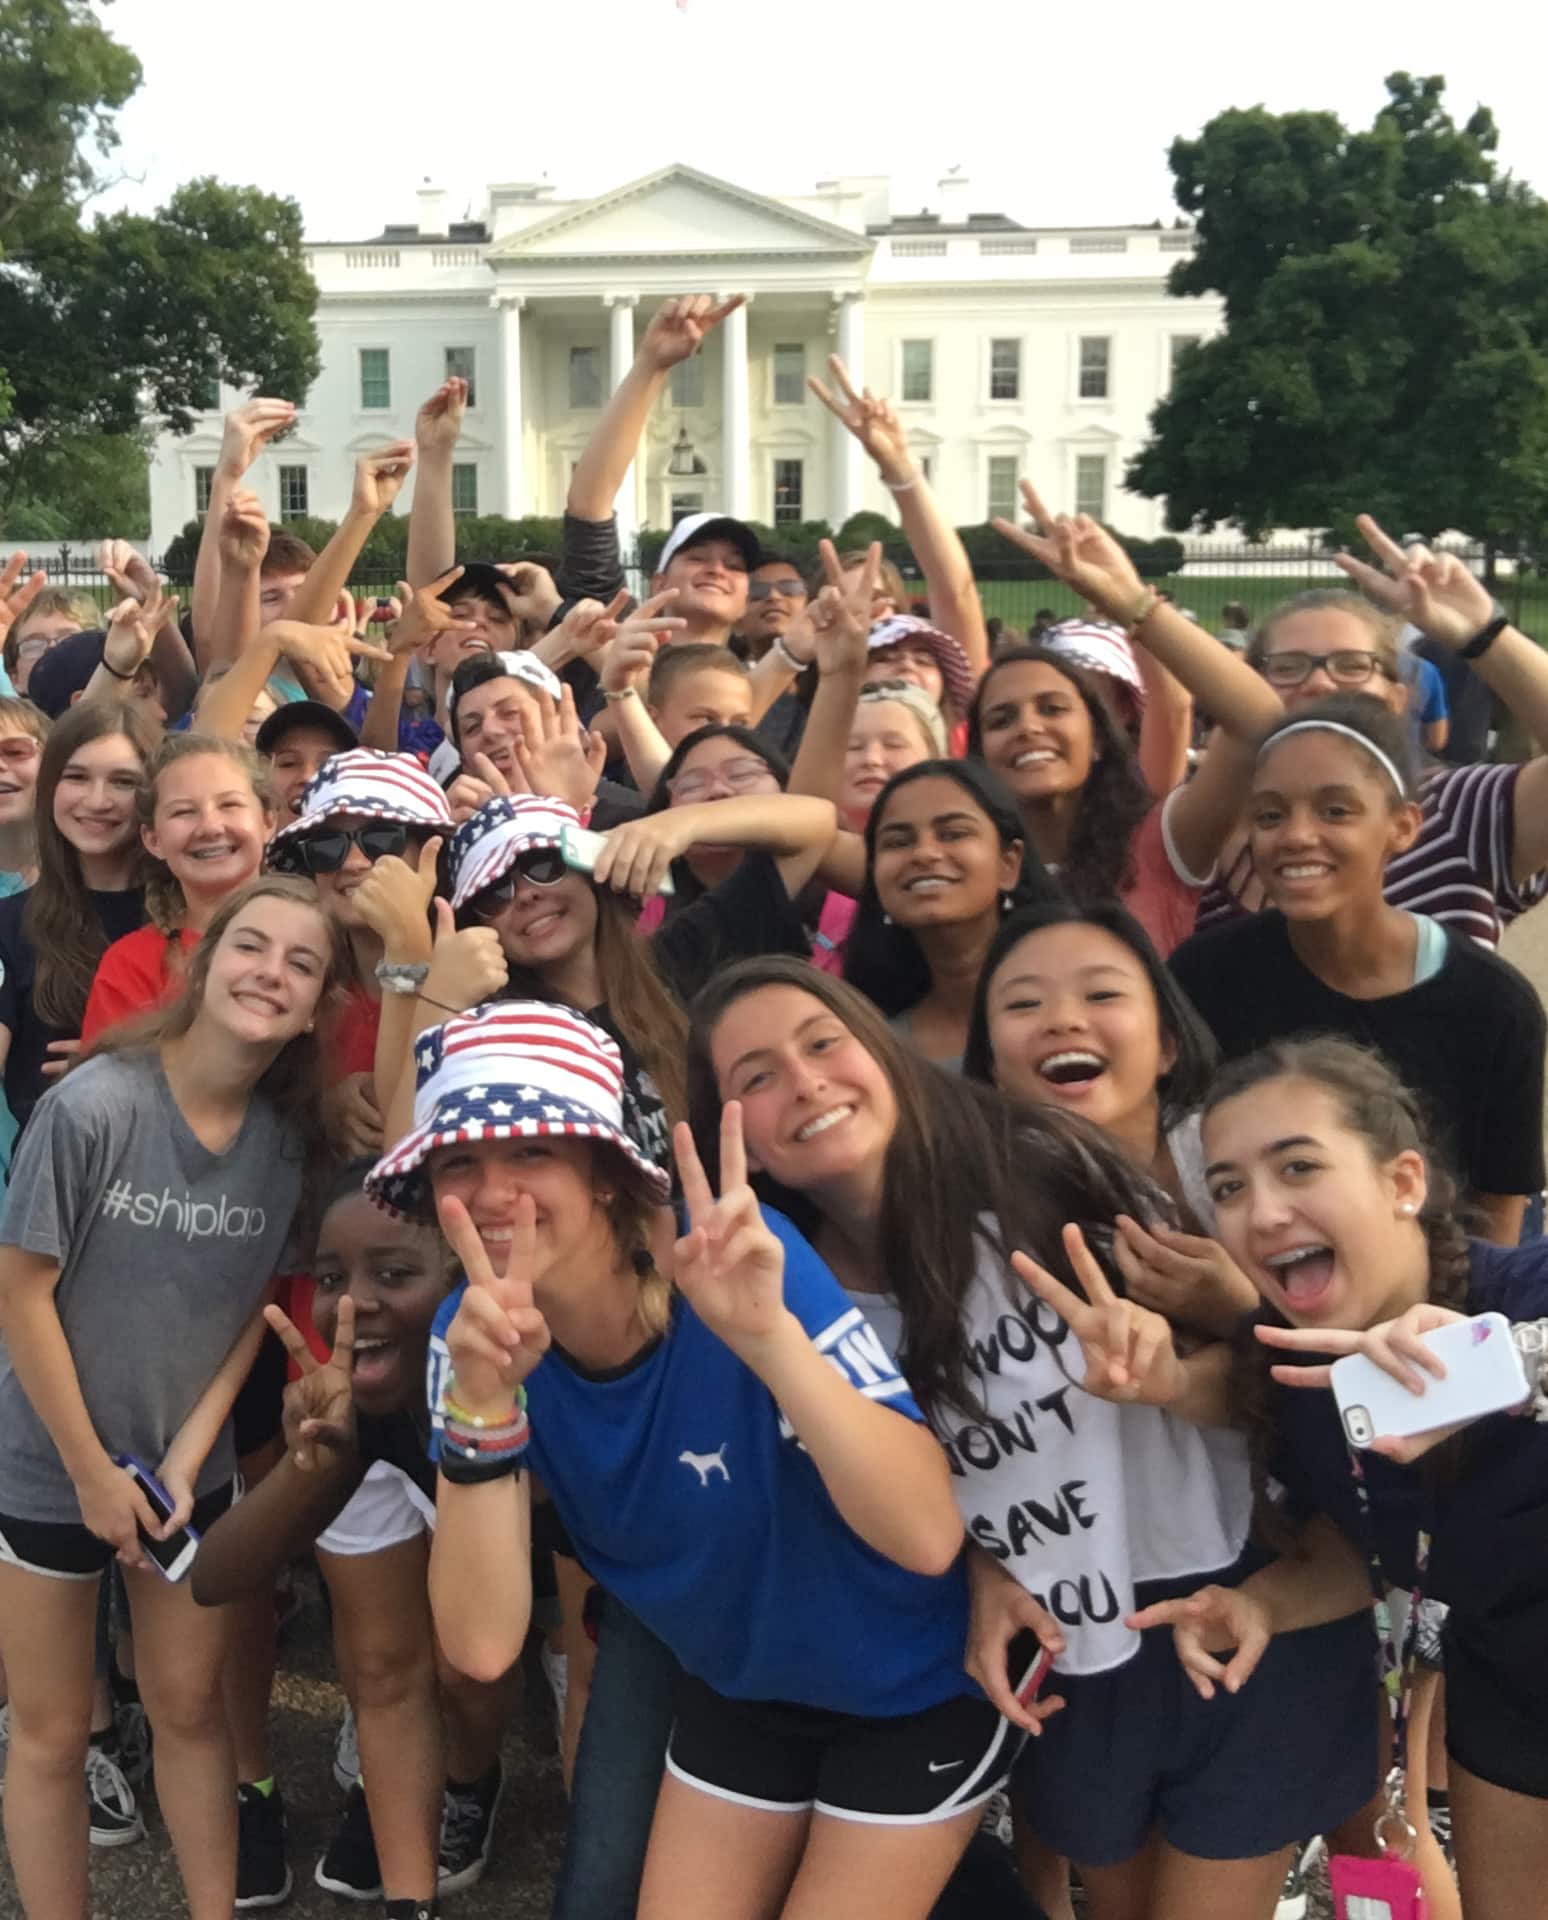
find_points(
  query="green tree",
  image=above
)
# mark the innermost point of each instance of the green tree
(1386, 338)
(84, 485)
(107, 321)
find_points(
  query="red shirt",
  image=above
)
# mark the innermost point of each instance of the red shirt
(134, 975)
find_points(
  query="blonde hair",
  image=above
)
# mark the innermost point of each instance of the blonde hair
(80, 607)
(1381, 627)
(165, 904)
(21, 716)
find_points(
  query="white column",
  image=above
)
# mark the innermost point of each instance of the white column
(621, 309)
(736, 416)
(847, 484)
(509, 306)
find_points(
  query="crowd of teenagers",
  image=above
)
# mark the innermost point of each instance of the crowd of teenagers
(792, 1174)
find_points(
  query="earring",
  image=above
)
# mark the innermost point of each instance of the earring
(1406, 1209)
(886, 919)
(1007, 901)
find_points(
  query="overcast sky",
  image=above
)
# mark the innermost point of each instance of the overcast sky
(1057, 114)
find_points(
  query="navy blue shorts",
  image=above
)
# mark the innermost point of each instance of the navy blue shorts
(1495, 1716)
(1234, 1778)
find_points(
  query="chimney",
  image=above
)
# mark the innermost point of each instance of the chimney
(432, 208)
(953, 190)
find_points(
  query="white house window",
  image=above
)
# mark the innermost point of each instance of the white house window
(460, 364)
(204, 483)
(585, 377)
(919, 371)
(1004, 369)
(789, 375)
(375, 378)
(685, 503)
(1096, 355)
(787, 493)
(1091, 484)
(209, 393)
(1003, 476)
(1180, 344)
(687, 382)
(464, 478)
(293, 493)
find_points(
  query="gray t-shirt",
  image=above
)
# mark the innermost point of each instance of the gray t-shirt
(166, 1249)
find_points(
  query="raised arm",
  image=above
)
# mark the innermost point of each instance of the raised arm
(379, 477)
(432, 535)
(942, 559)
(1077, 550)
(796, 828)
(126, 645)
(676, 332)
(840, 619)
(1437, 593)
(248, 430)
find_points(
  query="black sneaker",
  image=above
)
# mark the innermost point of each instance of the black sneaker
(349, 1867)
(1440, 1826)
(115, 1819)
(467, 1830)
(263, 1873)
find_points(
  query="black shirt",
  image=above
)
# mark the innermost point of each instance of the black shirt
(1470, 1039)
(750, 912)
(1487, 1512)
(25, 1083)
(402, 1439)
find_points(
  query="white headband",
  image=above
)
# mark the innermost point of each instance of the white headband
(1383, 759)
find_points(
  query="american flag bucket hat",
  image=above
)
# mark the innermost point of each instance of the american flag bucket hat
(898, 629)
(377, 786)
(512, 1070)
(488, 843)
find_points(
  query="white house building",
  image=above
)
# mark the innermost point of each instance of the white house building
(1009, 350)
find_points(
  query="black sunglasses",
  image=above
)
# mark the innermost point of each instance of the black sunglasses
(540, 866)
(326, 852)
(789, 589)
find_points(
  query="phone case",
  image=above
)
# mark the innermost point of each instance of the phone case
(171, 1558)
(1376, 1889)
(580, 847)
(1484, 1374)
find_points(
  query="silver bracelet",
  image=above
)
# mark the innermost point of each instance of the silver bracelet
(779, 647)
(612, 695)
(1531, 1338)
(901, 486)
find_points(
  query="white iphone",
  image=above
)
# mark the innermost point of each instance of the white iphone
(579, 847)
(1484, 1374)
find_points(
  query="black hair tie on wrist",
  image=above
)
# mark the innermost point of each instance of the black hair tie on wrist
(1485, 638)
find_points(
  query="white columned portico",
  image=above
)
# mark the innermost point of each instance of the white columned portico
(509, 306)
(621, 357)
(736, 415)
(847, 456)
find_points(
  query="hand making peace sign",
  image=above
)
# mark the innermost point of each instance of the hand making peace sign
(1081, 552)
(841, 615)
(728, 1266)
(319, 1406)
(1128, 1349)
(498, 1335)
(1436, 591)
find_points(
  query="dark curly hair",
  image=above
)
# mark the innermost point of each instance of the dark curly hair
(1098, 861)
(885, 961)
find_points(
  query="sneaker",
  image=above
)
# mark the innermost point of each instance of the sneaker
(115, 1819)
(1292, 1896)
(556, 1671)
(996, 1818)
(1440, 1826)
(467, 1830)
(349, 1867)
(132, 1735)
(346, 1752)
(263, 1873)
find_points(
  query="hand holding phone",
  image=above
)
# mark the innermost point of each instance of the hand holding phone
(1480, 1372)
(579, 847)
(173, 1556)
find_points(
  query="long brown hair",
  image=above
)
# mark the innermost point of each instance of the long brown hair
(294, 1079)
(964, 1168)
(1374, 1103)
(58, 920)
(165, 905)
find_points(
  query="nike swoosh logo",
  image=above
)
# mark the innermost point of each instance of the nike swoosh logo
(945, 1766)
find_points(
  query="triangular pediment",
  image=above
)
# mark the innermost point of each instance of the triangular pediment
(679, 210)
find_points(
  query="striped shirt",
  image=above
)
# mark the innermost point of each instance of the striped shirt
(1458, 871)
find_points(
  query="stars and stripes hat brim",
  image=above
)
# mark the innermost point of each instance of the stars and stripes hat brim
(488, 843)
(377, 786)
(899, 629)
(1099, 649)
(512, 1070)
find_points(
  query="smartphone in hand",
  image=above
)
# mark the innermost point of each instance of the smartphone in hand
(173, 1556)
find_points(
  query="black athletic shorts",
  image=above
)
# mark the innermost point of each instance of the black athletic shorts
(908, 1770)
(1495, 1717)
(257, 1416)
(68, 1551)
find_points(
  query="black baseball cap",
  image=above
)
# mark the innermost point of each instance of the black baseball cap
(305, 713)
(65, 670)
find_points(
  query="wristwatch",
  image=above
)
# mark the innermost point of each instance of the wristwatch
(402, 976)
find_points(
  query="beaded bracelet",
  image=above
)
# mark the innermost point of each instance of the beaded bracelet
(1149, 601)
(1531, 1338)
(460, 1416)
(511, 1439)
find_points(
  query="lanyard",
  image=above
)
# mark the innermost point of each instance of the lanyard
(1395, 1669)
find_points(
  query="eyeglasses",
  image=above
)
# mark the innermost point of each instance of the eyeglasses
(741, 776)
(1349, 667)
(789, 589)
(539, 866)
(326, 852)
(19, 749)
